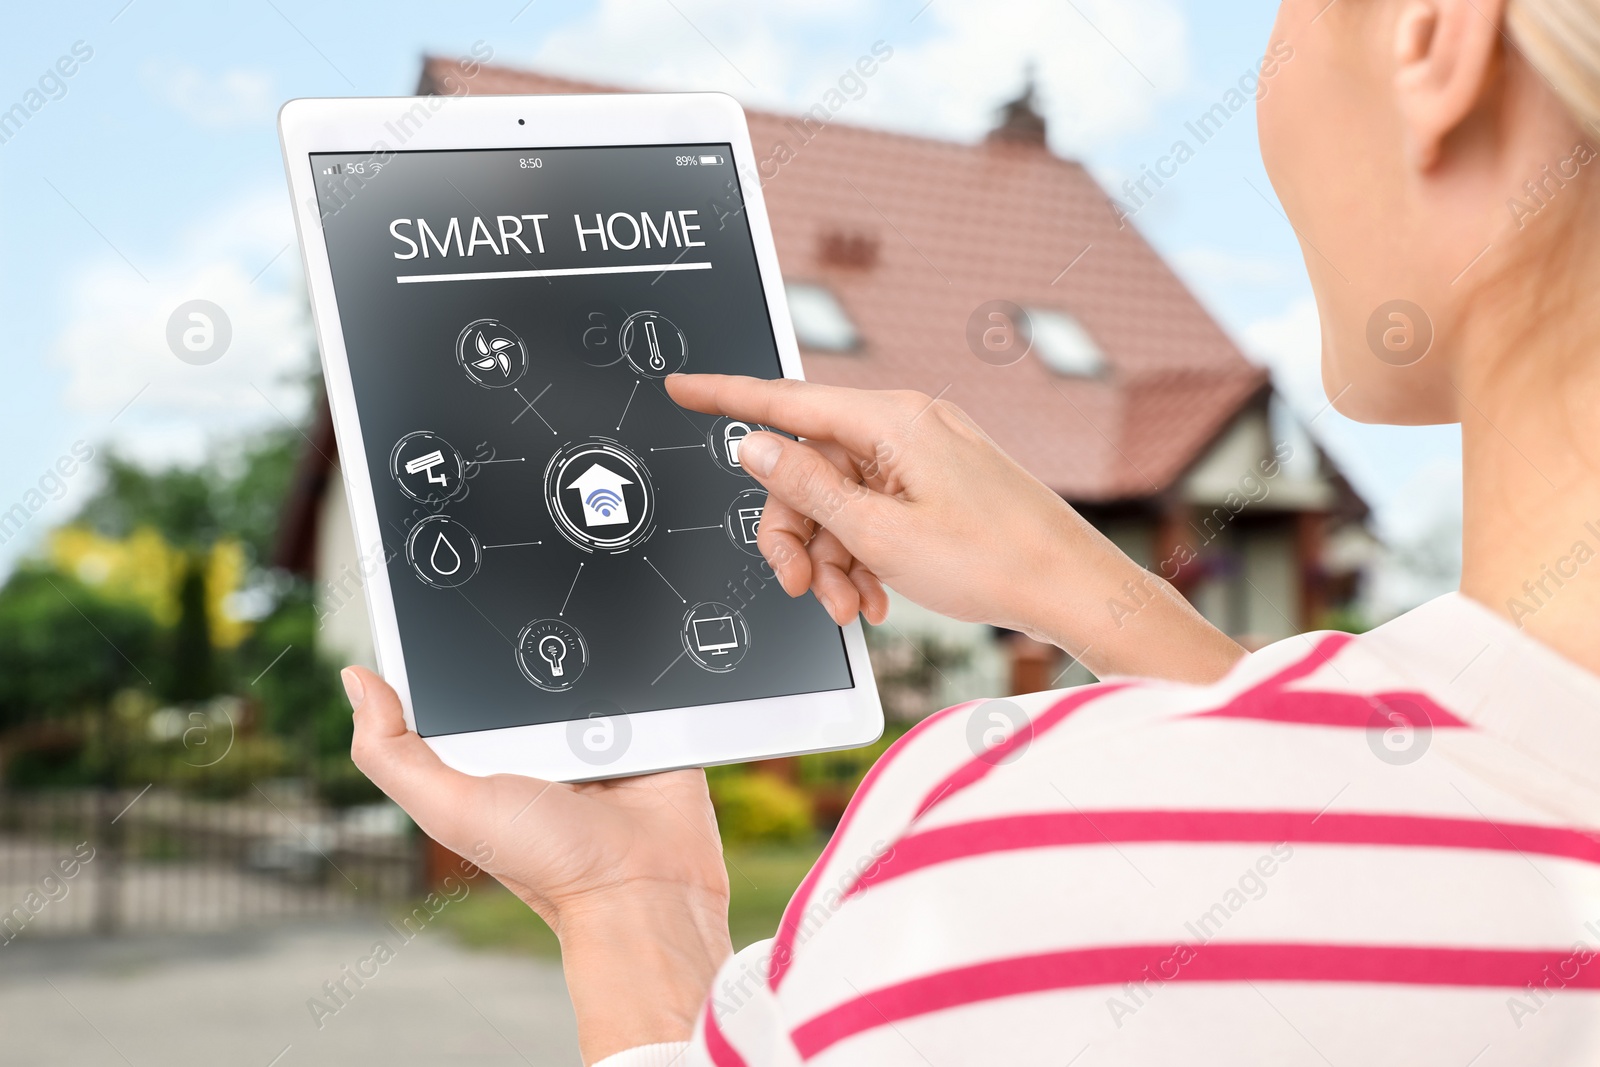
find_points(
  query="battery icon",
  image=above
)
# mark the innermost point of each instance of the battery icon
(711, 161)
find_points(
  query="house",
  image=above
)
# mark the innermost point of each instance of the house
(1001, 277)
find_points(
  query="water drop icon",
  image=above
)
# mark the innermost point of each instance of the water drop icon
(445, 560)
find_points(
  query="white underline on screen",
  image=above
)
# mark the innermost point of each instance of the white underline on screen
(559, 272)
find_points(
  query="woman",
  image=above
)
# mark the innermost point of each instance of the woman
(1371, 850)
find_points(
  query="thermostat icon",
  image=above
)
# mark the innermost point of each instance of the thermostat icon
(654, 346)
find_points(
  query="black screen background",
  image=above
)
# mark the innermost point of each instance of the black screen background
(400, 339)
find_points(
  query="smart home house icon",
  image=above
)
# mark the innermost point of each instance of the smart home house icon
(600, 495)
(600, 489)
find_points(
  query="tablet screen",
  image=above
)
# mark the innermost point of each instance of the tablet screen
(561, 538)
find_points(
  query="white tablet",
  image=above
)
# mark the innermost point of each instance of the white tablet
(565, 582)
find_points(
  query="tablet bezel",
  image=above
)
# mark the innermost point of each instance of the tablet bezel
(670, 738)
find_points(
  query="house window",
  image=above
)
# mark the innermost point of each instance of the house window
(1064, 345)
(820, 323)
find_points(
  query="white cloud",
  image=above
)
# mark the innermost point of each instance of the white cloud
(1215, 269)
(1290, 345)
(114, 348)
(950, 70)
(1423, 538)
(1101, 71)
(235, 97)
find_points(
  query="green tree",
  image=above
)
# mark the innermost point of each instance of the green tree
(65, 648)
(237, 494)
(66, 652)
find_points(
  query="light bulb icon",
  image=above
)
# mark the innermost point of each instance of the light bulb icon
(552, 654)
(554, 650)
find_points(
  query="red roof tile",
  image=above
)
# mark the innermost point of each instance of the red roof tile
(948, 226)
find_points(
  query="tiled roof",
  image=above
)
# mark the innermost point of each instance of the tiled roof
(948, 226)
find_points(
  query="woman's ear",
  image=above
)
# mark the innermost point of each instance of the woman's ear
(1447, 54)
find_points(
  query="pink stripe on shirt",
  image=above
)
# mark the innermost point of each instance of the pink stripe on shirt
(974, 770)
(717, 1047)
(945, 844)
(1212, 962)
(783, 943)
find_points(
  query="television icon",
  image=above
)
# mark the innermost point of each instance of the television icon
(716, 636)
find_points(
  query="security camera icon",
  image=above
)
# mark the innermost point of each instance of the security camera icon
(428, 463)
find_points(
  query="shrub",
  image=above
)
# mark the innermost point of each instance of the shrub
(760, 808)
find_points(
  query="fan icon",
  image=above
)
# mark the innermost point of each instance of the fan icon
(491, 354)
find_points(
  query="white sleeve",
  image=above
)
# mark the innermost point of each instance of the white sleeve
(743, 1021)
(741, 1010)
(667, 1054)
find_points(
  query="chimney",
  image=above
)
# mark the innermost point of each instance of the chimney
(845, 248)
(1020, 121)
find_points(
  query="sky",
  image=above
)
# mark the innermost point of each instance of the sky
(151, 176)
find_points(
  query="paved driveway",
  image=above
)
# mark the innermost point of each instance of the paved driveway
(241, 999)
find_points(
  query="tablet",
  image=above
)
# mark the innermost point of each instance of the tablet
(563, 578)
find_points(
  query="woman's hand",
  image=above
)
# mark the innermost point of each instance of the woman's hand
(628, 873)
(897, 489)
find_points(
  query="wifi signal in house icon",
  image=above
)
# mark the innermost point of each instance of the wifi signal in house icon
(601, 491)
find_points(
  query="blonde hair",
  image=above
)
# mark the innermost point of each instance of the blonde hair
(1561, 38)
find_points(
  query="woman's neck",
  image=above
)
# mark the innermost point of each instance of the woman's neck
(1530, 439)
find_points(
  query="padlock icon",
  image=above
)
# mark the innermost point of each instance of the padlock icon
(730, 440)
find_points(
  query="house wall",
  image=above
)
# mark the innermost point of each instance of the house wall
(1266, 433)
(1271, 594)
(1136, 538)
(1251, 590)
(987, 672)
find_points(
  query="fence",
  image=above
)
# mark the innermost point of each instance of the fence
(103, 861)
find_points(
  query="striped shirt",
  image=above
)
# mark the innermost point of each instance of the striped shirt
(1366, 851)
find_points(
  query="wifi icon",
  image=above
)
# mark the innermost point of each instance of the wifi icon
(605, 501)
(600, 489)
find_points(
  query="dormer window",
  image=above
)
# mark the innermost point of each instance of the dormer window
(1064, 346)
(820, 322)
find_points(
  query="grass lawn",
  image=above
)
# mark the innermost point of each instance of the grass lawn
(762, 879)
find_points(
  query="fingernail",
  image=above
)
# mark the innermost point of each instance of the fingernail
(758, 453)
(353, 687)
